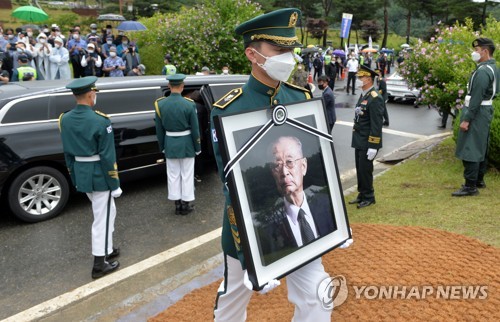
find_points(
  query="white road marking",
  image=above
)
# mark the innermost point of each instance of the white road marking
(43, 309)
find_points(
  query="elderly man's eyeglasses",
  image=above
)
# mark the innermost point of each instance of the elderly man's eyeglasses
(290, 164)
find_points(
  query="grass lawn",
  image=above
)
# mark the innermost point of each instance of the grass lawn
(417, 192)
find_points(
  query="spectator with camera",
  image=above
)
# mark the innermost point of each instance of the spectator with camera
(131, 58)
(91, 62)
(76, 47)
(114, 65)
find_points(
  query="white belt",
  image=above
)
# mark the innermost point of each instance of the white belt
(489, 102)
(91, 158)
(182, 133)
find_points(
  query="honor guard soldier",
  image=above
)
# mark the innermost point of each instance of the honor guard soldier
(476, 117)
(367, 135)
(179, 138)
(89, 151)
(269, 42)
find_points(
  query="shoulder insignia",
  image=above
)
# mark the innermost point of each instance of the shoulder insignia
(157, 108)
(374, 93)
(187, 98)
(228, 98)
(60, 121)
(102, 114)
(300, 88)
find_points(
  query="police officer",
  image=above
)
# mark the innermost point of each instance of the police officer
(476, 116)
(168, 69)
(24, 72)
(269, 42)
(367, 135)
(89, 151)
(179, 137)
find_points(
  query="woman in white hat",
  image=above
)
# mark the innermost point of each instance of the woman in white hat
(59, 58)
(43, 49)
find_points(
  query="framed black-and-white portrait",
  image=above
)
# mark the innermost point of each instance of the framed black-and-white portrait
(285, 188)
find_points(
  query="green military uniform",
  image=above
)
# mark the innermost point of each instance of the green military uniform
(89, 151)
(472, 145)
(367, 134)
(177, 114)
(278, 29)
(253, 94)
(179, 137)
(88, 133)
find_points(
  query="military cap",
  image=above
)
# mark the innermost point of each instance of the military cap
(276, 27)
(83, 85)
(176, 79)
(365, 71)
(483, 42)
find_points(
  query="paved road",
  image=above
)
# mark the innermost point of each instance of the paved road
(41, 261)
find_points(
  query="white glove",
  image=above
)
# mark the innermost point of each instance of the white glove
(272, 284)
(348, 242)
(116, 193)
(371, 154)
(198, 153)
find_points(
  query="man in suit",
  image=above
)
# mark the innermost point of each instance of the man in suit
(329, 99)
(297, 219)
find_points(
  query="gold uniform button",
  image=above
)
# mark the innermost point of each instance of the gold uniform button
(275, 102)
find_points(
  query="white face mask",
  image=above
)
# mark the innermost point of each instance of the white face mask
(20, 50)
(91, 51)
(57, 45)
(95, 99)
(225, 71)
(475, 56)
(30, 34)
(93, 31)
(124, 43)
(45, 31)
(58, 33)
(41, 40)
(112, 54)
(278, 67)
(109, 42)
(75, 36)
(11, 36)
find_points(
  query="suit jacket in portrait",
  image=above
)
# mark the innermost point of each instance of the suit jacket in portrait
(276, 238)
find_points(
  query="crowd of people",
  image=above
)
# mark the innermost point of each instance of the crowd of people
(47, 54)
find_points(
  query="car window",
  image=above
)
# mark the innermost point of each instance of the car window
(126, 101)
(61, 103)
(28, 111)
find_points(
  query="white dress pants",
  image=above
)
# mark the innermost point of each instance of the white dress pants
(233, 296)
(180, 173)
(104, 222)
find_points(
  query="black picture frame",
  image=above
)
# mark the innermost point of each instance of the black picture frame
(246, 142)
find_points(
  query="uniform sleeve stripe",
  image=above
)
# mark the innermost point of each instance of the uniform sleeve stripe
(60, 122)
(157, 109)
(374, 139)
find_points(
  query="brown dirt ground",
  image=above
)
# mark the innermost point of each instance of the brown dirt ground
(384, 255)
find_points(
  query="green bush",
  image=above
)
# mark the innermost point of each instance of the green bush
(199, 36)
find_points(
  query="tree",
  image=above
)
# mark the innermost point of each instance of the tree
(199, 36)
(410, 6)
(316, 28)
(370, 28)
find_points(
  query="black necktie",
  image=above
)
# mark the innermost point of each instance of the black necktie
(305, 230)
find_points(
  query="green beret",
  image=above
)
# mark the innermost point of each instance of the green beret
(176, 79)
(276, 27)
(480, 42)
(365, 71)
(83, 85)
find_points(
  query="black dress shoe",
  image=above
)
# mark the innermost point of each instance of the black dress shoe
(465, 191)
(442, 127)
(178, 207)
(366, 203)
(480, 184)
(355, 201)
(186, 207)
(115, 253)
(105, 269)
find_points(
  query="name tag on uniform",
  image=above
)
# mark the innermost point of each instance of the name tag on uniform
(109, 129)
(467, 100)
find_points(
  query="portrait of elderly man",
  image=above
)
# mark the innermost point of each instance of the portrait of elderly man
(298, 218)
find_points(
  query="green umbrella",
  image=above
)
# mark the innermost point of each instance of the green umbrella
(30, 13)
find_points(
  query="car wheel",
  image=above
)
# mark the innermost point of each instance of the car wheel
(390, 98)
(38, 194)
